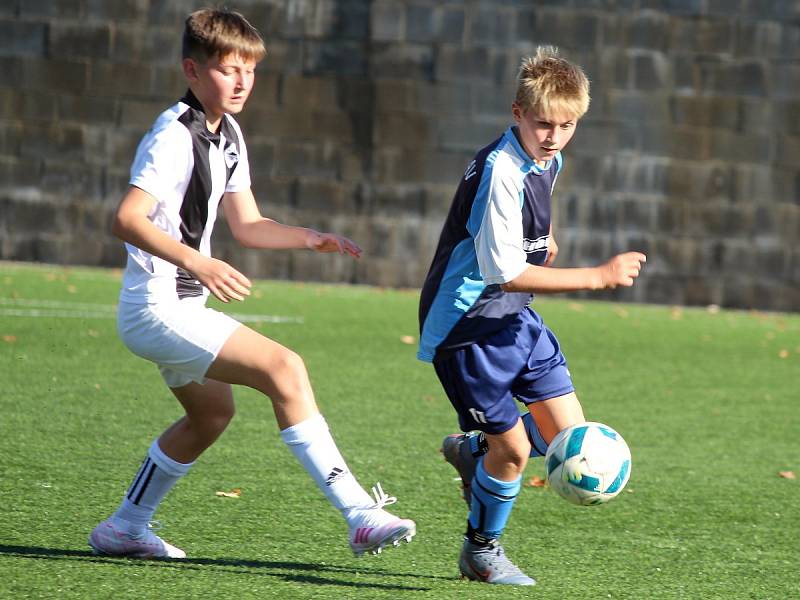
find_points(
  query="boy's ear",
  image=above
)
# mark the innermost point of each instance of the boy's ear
(189, 69)
(516, 112)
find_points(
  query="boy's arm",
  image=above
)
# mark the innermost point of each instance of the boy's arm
(253, 230)
(131, 224)
(620, 270)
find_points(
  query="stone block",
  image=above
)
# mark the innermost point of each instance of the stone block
(647, 29)
(401, 61)
(394, 201)
(70, 9)
(429, 24)
(759, 38)
(784, 79)
(72, 180)
(491, 25)
(53, 75)
(139, 115)
(462, 132)
(52, 140)
(326, 197)
(118, 79)
(748, 77)
(396, 95)
(79, 40)
(283, 56)
(638, 106)
(525, 24)
(407, 130)
(167, 84)
(488, 99)
(339, 57)
(20, 176)
(20, 38)
(581, 29)
(454, 64)
(135, 43)
(651, 72)
(309, 92)
(387, 21)
(717, 112)
(95, 110)
(707, 35)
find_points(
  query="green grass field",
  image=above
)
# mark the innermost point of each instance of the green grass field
(707, 400)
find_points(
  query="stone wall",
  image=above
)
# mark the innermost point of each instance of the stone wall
(365, 114)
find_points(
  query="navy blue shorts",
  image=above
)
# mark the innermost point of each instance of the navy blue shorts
(521, 361)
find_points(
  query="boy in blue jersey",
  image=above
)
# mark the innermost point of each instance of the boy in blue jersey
(487, 345)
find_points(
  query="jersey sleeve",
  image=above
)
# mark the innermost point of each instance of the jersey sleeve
(240, 178)
(163, 162)
(498, 242)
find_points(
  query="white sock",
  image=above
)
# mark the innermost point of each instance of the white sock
(312, 444)
(157, 475)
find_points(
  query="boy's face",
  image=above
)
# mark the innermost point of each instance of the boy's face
(542, 137)
(222, 84)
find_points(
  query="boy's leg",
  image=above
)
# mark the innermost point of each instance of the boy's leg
(556, 414)
(209, 408)
(494, 489)
(251, 359)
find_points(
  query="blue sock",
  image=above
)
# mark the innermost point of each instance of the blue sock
(492, 501)
(538, 445)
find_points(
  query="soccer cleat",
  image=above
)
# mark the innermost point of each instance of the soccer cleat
(456, 450)
(491, 565)
(373, 528)
(108, 539)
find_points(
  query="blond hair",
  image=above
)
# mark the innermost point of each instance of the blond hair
(552, 86)
(211, 32)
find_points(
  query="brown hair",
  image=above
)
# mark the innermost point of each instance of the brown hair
(219, 32)
(552, 86)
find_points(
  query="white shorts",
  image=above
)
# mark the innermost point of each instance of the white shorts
(182, 337)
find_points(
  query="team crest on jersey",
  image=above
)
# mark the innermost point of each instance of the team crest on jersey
(231, 156)
(537, 245)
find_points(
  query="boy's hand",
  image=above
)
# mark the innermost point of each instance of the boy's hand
(552, 251)
(330, 242)
(621, 270)
(221, 279)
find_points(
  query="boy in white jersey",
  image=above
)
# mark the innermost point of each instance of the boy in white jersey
(489, 348)
(192, 159)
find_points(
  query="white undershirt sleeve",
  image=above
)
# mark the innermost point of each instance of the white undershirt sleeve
(498, 243)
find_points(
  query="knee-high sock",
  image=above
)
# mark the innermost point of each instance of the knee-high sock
(157, 476)
(312, 444)
(492, 501)
(478, 445)
(538, 445)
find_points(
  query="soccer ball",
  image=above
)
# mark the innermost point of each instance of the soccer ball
(588, 463)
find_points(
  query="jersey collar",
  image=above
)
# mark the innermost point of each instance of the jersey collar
(529, 164)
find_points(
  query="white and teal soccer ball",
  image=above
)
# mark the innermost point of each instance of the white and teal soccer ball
(588, 464)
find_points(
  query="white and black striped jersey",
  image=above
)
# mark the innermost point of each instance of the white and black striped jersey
(187, 169)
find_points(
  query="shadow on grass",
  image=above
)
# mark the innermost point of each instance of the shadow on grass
(288, 571)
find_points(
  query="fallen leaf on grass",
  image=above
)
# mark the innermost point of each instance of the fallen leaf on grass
(234, 493)
(9, 339)
(783, 353)
(787, 474)
(536, 482)
(407, 339)
(676, 313)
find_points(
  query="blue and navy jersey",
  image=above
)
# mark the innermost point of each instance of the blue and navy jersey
(498, 224)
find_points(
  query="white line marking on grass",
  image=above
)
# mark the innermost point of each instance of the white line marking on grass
(19, 307)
